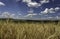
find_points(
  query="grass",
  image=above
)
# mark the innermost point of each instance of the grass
(29, 30)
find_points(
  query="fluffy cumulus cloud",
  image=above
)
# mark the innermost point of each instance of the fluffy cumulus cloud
(2, 4)
(7, 15)
(57, 8)
(51, 10)
(45, 11)
(35, 4)
(31, 4)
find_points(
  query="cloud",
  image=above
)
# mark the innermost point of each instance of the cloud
(31, 4)
(45, 11)
(10, 15)
(30, 15)
(44, 1)
(2, 4)
(27, 1)
(50, 17)
(31, 11)
(51, 10)
(35, 4)
(57, 17)
(57, 8)
(7, 15)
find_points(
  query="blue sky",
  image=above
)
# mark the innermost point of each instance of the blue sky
(30, 9)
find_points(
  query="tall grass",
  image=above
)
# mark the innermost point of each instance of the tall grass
(29, 30)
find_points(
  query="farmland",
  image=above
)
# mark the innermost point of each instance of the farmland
(29, 30)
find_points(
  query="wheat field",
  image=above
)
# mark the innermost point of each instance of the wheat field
(29, 30)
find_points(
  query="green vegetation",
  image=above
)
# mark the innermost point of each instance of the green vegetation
(29, 30)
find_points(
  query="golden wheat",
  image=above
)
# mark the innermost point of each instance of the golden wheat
(29, 30)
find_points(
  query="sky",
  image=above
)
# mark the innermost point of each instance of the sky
(30, 9)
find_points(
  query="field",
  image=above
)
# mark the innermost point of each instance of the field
(29, 30)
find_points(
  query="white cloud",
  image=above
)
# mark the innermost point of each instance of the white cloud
(45, 11)
(12, 15)
(50, 17)
(7, 15)
(33, 4)
(51, 10)
(27, 1)
(30, 15)
(44, 1)
(19, 13)
(31, 11)
(2, 4)
(57, 8)
(57, 17)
